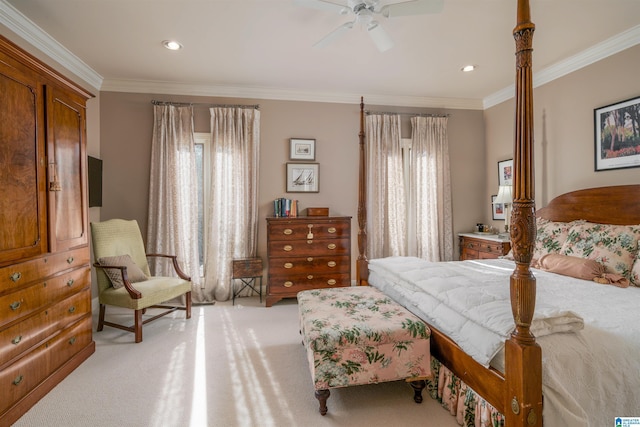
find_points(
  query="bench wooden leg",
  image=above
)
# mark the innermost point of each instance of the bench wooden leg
(418, 386)
(322, 396)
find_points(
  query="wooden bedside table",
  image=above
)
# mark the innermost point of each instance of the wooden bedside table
(482, 246)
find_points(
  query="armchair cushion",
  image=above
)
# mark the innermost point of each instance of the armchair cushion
(134, 273)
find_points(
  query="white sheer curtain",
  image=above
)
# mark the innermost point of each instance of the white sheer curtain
(431, 188)
(172, 223)
(231, 231)
(386, 200)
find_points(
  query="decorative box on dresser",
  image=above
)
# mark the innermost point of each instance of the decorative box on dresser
(307, 253)
(45, 279)
(483, 246)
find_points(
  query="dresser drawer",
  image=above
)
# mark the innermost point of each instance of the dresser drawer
(21, 336)
(283, 248)
(28, 300)
(478, 248)
(308, 265)
(22, 274)
(17, 380)
(293, 284)
(307, 230)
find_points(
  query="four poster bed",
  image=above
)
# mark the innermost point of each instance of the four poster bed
(583, 353)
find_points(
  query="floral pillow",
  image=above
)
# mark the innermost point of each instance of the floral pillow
(550, 236)
(635, 271)
(614, 246)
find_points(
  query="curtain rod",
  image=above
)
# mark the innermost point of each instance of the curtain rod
(407, 114)
(191, 104)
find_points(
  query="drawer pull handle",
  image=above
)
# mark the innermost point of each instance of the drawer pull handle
(288, 284)
(70, 282)
(15, 305)
(331, 263)
(288, 248)
(16, 340)
(310, 259)
(288, 265)
(287, 231)
(15, 277)
(72, 340)
(470, 245)
(69, 260)
(331, 282)
(331, 230)
(331, 246)
(310, 276)
(18, 380)
(310, 234)
(72, 309)
(309, 242)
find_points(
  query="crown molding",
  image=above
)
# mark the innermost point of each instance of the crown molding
(34, 35)
(602, 50)
(172, 88)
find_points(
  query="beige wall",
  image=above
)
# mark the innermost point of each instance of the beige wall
(564, 128)
(126, 130)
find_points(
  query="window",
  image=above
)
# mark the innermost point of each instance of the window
(202, 141)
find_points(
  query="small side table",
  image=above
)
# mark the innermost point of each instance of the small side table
(248, 271)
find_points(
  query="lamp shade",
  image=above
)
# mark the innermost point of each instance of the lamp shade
(504, 195)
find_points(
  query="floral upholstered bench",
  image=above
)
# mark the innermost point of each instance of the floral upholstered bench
(358, 335)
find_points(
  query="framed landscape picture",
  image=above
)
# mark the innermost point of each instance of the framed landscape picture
(302, 149)
(617, 135)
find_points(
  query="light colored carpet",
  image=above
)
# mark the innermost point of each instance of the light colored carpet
(227, 366)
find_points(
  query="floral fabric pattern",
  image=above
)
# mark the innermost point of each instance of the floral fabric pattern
(614, 246)
(358, 335)
(550, 236)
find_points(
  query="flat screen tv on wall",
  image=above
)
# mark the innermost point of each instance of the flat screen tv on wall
(95, 182)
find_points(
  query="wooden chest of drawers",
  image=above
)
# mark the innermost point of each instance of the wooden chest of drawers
(474, 246)
(307, 253)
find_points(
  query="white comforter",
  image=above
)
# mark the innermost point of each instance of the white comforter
(590, 375)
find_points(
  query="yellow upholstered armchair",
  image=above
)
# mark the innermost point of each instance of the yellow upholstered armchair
(124, 278)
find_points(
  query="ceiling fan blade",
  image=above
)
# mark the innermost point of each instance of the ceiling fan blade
(331, 6)
(380, 37)
(412, 7)
(335, 34)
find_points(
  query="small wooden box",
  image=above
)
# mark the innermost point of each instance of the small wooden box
(247, 267)
(317, 211)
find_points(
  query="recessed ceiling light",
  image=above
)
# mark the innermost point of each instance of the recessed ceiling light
(468, 68)
(172, 45)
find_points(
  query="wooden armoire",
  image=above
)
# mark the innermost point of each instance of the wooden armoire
(45, 276)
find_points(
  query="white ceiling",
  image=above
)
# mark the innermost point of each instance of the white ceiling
(263, 48)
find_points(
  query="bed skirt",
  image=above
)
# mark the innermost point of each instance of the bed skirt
(466, 405)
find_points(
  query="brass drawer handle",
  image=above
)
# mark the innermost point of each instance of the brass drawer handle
(331, 246)
(288, 265)
(15, 305)
(331, 230)
(18, 380)
(309, 242)
(288, 284)
(15, 277)
(331, 282)
(331, 263)
(16, 340)
(69, 260)
(310, 276)
(70, 282)
(310, 259)
(72, 340)
(287, 231)
(72, 309)
(288, 248)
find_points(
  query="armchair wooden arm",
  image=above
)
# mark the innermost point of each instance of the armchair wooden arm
(176, 267)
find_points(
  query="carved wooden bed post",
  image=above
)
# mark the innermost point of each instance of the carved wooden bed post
(362, 268)
(523, 356)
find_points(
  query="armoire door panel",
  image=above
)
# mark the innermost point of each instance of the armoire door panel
(67, 171)
(22, 173)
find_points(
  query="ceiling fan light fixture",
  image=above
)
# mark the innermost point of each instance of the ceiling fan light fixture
(171, 45)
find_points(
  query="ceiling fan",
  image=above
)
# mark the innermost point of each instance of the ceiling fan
(365, 11)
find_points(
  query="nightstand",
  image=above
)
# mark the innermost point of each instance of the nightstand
(482, 246)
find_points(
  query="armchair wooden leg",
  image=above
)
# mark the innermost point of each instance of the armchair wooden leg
(138, 325)
(101, 318)
(188, 302)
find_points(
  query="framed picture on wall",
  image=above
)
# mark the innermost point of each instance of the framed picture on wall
(617, 135)
(497, 209)
(303, 177)
(505, 172)
(302, 149)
